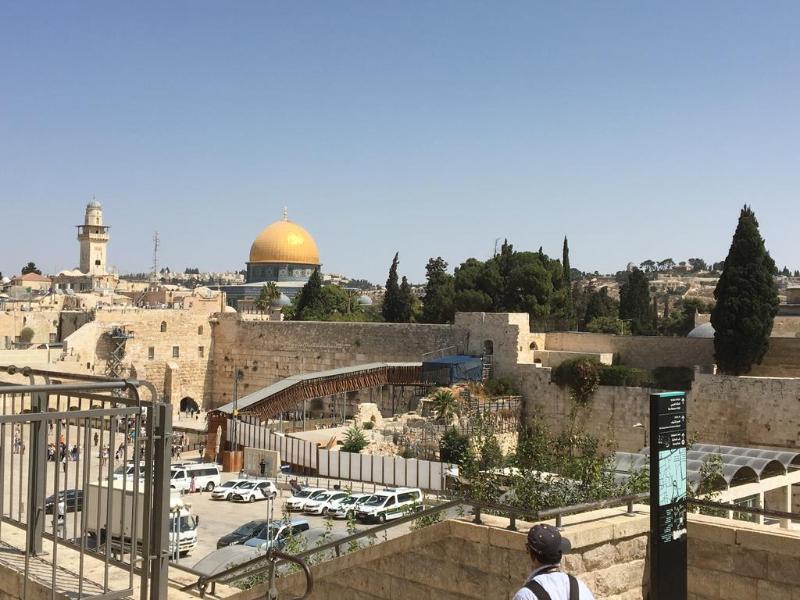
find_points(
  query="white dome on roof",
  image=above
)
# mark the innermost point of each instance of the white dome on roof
(705, 331)
(364, 300)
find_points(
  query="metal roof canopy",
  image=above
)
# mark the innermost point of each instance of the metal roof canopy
(739, 464)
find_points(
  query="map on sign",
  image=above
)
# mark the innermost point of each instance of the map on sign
(672, 479)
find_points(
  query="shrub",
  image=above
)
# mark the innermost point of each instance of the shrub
(26, 335)
(354, 440)
(618, 375)
(453, 447)
(368, 425)
(673, 378)
(581, 375)
(500, 386)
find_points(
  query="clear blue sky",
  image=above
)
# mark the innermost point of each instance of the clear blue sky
(428, 128)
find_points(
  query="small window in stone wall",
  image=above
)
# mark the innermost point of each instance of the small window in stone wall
(200, 330)
(201, 351)
(151, 353)
(176, 352)
(163, 326)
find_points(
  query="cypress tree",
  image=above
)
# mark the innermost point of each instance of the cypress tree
(310, 295)
(747, 300)
(391, 299)
(406, 301)
(634, 303)
(569, 308)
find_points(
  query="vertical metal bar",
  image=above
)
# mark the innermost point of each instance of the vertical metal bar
(78, 463)
(37, 471)
(161, 502)
(87, 460)
(100, 486)
(112, 439)
(56, 503)
(2, 468)
(137, 473)
(20, 451)
(124, 490)
(147, 503)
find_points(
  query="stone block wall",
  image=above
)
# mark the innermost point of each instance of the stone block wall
(457, 560)
(732, 559)
(268, 351)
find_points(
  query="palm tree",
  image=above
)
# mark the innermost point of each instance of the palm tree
(269, 293)
(445, 404)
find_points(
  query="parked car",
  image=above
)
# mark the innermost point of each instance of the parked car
(224, 491)
(391, 503)
(243, 533)
(73, 501)
(298, 500)
(206, 476)
(345, 507)
(322, 503)
(277, 534)
(255, 489)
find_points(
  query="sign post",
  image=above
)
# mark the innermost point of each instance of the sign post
(668, 496)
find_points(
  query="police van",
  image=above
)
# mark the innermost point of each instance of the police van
(391, 503)
(206, 476)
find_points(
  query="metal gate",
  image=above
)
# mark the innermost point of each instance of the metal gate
(84, 485)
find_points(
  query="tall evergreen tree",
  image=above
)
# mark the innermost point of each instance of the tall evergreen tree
(747, 300)
(569, 309)
(391, 299)
(31, 268)
(406, 301)
(310, 296)
(635, 305)
(438, 304)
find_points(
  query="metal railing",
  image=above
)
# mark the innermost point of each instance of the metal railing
(58, 443)
(268, 562)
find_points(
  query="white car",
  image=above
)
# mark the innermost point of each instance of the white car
(224, 491)
(345, 507)
(299, 499)
(322, 503)
(255, 489)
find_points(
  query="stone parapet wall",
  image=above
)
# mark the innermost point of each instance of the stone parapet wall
(733, 559)
(457, 560)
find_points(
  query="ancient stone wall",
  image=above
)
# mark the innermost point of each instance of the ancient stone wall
(44, 324)
(643, 352)
(268, 351)
(456, 560)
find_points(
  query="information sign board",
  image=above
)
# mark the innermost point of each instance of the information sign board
(668, 496)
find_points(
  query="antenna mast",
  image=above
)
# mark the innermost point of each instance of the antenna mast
(156, 244)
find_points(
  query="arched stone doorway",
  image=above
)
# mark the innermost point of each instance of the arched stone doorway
(189, 405)
(488, 347)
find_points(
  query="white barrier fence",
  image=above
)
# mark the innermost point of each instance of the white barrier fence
(369, 468)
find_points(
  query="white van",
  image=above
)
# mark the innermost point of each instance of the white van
(391, 503)
(206, 476)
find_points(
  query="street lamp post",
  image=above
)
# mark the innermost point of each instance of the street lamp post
(644, 431)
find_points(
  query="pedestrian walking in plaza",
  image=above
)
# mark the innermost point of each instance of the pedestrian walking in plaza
(96, 438)
(547, 581)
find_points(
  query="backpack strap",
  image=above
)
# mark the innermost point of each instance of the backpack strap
(574, 594)
(537, 590)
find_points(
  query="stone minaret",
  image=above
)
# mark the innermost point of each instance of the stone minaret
(93, 236)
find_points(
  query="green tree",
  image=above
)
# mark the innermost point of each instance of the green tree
(600, 305)
(606, 325)
(453, 447)
(438, 304)
(354, 440)
(635, 304)
(26, 335)
(648, 266)
(445, 404)
(697, 264)
(31, 268)
(310, 296)
(392, 303)
(747, 300)
(406, 304)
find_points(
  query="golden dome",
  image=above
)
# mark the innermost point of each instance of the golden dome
(284, 242)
